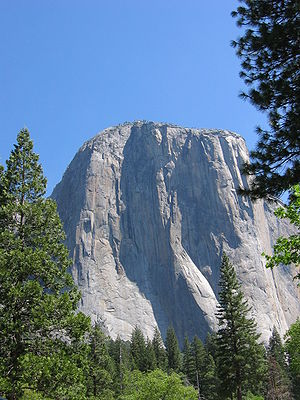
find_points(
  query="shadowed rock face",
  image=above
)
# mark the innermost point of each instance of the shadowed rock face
(148, 210)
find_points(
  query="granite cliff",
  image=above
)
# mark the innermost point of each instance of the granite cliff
(148, 209)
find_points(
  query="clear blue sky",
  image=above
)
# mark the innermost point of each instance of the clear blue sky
(70, 68)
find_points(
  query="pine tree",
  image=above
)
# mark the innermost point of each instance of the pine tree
(38, 298)
(159, 350)
(292, 346)
(172, 349)
(99, 364)
(278, 384)
(150, 356)
(189, 363)
(138, 349)
(211, 344)
(275, 348)
(209, 383)
(240, 358)
(269, 50)
(120, 354)
(206, 375)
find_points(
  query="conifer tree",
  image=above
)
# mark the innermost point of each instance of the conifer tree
(138, 349)
(189, 362)
(278, 383)
(159, 350)
(211, 344)
(38, 298)
(99, 369)
(150, 356)
(240, 358)
(120, 354)
(278, 386)
(209, 383)
(269, 51)
(172, 349)
(206, 376)
(199, 352)
(292, 346)
(275, 348)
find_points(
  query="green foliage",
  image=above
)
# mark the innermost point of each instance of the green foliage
(278, 382)
(138, 349)
(159, 350)
(211, 344)
(189, 362)
(172, 349)
(208, 379)
(58, 375)
(30, 395)
(292, 346)
(142, 351)
(269, 51)
(287, 250)
(38, 298)
(240, 359)
(99, 370)
(119, 352)
(48, 351)
(199, 368)
(251, 396)
(199, 353)
(275, 348)
(150, 356)
(156, 385)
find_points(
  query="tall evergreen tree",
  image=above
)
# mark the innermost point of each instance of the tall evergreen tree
(150, 356)
(199, 353)
(209, 383)
(138, 349)
(292, 346)
(189, 362)
(38, 298)
(278, 383)
(240, 358)
(172, 349)
(159, 350)
(206, 375)
(120, 354)
(269, 51)
(275, 348)
(99, 369)
(211, 344)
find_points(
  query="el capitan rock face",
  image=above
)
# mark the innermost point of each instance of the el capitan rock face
(148, 209)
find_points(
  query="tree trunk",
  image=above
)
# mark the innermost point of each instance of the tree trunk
(239, 393)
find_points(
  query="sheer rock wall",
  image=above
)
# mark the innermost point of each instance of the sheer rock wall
(148, 210)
